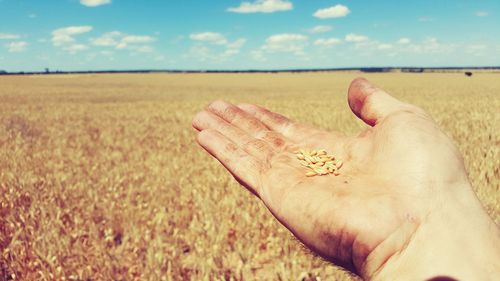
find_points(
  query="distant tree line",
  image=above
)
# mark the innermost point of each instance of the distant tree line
(363, 69)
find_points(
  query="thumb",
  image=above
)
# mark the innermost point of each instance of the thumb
(370, 103)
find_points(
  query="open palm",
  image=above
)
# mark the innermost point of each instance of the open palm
(386, 187)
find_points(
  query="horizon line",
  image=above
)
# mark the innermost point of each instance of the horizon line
(283, 70)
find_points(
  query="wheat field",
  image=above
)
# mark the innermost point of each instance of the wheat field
(101, 177)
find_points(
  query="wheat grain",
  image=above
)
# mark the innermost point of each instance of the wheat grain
(318, 162)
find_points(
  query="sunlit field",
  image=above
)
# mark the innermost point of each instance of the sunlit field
(101, 177)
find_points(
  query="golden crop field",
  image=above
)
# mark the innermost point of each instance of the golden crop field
(101, 177)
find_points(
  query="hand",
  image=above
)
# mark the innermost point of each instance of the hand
(402, 195)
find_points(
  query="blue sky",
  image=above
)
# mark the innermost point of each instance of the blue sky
(250, 34)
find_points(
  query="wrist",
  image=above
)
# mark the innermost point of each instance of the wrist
(456, 240)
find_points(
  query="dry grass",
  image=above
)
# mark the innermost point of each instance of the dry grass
(100, 177)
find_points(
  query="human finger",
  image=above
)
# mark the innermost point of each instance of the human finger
(255, 147)
(244, 167)
(372, 104)
(279, 123)
(237, 117)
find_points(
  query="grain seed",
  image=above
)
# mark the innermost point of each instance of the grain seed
(310, 174)
(318, 162)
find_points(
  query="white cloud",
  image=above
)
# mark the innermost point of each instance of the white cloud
(476, 49)
(208, 46)
(237, 44)
(327, 42)
(320, 29)
(262, 6)
(281, 43)
(130, 40)
(142, 49)
(17, 47)
(215, 38)
(76, 48)
(110, 39)
(65, 38)
(429, 45)
(336, 11)
(65, 35)
(286, 38)
(404, 41)
(257, 55)
(230, 52)
(202, 53)
(384, 46)
(355, 38)
(94, 3)
(7, 36)
(119, 40)
(433, 45)
(134, 39)
(291, 43)
(482, 13)
(32, 16)
(210, 37)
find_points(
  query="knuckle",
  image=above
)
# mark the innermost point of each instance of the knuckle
(217, 104)
(229, 113)
(255, 144)
(280, 119)
(412, 112)
(224, 109)
(274, 139)
(419, 111)
(231, 147)
(225, 127)
(255, 124)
